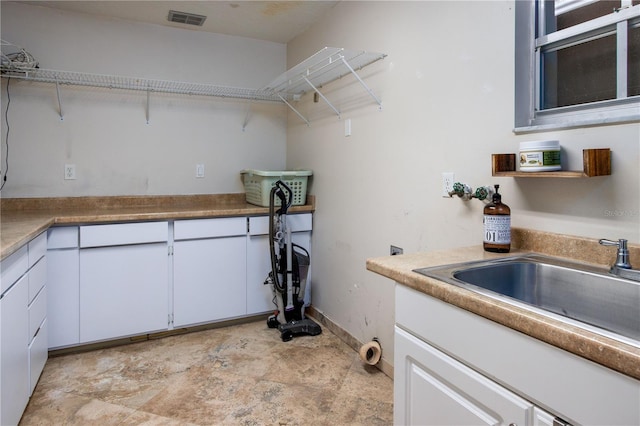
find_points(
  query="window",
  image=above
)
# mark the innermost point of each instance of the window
(577, 63)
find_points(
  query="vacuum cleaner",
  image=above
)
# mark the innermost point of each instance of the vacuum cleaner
(289, 269)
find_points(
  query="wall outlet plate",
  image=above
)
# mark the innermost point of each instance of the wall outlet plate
(395, 250)
(448, 180)
(69, 172)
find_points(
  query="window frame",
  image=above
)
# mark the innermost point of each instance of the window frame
(528, 116)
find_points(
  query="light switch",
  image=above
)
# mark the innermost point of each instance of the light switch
(199, 171)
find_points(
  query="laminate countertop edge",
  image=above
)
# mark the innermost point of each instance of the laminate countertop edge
(23, 219)
(619, 356)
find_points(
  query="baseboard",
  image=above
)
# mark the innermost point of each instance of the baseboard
(87, 347)
(310, 311)
(344, 335)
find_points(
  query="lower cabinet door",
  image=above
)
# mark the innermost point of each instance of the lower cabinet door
(260, 296)
(124, 290)
(38, 336)
(63, 298)
(209, 281)
(14, 373)
(431, 388)
(38, 354)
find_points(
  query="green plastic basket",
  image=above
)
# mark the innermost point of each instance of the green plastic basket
(258, 184)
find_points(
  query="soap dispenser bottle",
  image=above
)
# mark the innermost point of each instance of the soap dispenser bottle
(497, 225)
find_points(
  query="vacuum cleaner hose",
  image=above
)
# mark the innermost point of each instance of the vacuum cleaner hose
(278, 189)
(272, 249)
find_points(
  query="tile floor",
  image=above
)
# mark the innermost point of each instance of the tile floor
(238, 375)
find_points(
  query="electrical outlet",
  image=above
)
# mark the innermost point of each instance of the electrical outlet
(69, 172)
(199, 171)
(448, 179)
(395, 250)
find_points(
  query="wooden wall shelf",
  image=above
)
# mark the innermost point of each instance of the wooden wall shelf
(595, 162)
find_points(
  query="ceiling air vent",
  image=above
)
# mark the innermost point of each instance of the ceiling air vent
(186, 18)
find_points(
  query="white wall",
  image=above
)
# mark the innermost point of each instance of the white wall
(104, 132)
(447, 88)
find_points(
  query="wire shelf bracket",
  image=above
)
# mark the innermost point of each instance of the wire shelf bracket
(59, 100)
(147, 106)
(324, 98)
(369, 91)
(294, 110)
(246, 117)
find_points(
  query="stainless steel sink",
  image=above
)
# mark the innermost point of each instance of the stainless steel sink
(574, 292)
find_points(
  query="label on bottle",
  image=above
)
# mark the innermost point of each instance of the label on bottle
(497, 229)
(539, 158)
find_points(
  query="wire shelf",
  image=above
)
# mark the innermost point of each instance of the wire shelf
(140, 84)
(325, 66)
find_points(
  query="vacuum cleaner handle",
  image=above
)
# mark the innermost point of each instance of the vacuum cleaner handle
(285, 202)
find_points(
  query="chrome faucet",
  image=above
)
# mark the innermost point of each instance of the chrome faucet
(622, 267)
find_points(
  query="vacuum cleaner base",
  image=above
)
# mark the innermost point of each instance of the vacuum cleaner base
(296, 328)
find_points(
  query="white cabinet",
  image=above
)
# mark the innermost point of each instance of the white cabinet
(209, 270)
(542, 418)
(63, 298)
(259, 296)
(23, 328)
(558, 383)
(15, 355)
(38, 344)
(124, 280)
(117, 280)
(37, 309)
(13, 267)
(432, 388)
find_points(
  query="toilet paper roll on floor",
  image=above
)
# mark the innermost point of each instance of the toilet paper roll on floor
(371, 352)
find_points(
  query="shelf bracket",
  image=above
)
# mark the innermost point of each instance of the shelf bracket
(293, 109)
(147, 107)
(246, 117)
(375, 98)
(322, 96)
(59, 100)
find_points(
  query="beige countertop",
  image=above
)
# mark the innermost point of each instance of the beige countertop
(619, 356)
(21, 219)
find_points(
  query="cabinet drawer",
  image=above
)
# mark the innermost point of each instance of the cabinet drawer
(123, 234)
(37, 278)
(38, 354)
(37, 312)
(59, 238)
(297, 223)
(13, 267)
(37, 248)
(210, 228)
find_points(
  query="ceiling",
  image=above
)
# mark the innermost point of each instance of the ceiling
(277, 21)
